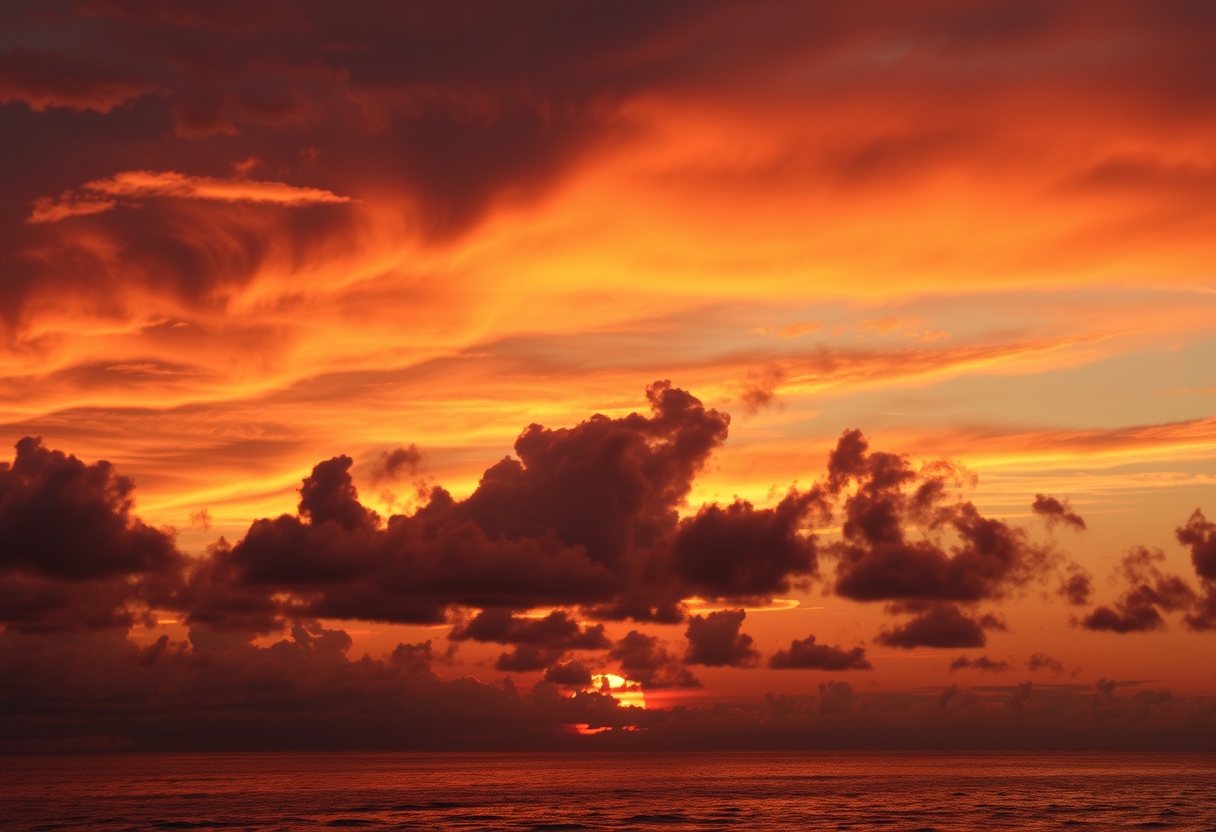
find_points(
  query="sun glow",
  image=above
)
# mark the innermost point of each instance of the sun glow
(625, 691)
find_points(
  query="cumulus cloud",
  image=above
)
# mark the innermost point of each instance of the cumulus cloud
(878, 560)
(72, 553)
(805, 654)
(715, 640)
(940, 625)
(1149, 593)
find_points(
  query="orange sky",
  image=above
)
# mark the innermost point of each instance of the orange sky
(240, 241)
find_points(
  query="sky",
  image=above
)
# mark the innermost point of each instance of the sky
(607, 375)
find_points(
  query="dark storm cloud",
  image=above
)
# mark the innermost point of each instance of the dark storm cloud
(646, 660)
(715, 640)
(72, 553)
(1057, 511)
(805, 654)
(982, 663)
(1149, 593)
(940, 625)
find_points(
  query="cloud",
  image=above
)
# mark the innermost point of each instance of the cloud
(982, 663)
(1057, 511)
(104, 194)
(940, 625)
(805, 654)
(1150, 592)
(573, 674)
(555, 630)
(643, 658)
(44, 80)
(714, 640)
(737, 550)
(1076, 585)
(1042, 661)
(876, 560)
(802, 328)
(1199, 534)
(72, 554)
(306, 692)
(760, 388)
(392, 464)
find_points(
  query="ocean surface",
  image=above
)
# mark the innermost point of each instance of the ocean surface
(614, 791)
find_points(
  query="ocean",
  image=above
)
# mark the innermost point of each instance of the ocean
(610, 791)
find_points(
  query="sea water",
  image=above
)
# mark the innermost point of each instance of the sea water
(611, 791)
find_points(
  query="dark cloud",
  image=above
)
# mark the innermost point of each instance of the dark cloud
(878, 561)
(1042, 661)
(556, 630)
(413, 658)
(609, 485)
(805, 654)
(584, 517)
(1057, 511)
(737, 550)
(539, 643)
(644, 659)
(1199, 535)
(1076, 585)
(573, 674)
(72, 553)
(940, 625)
(1149, 593)
(307, 692)
(715, 640)
(982, 663)
(44, 79)
(393, 464)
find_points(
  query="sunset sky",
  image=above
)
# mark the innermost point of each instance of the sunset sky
(681, 374)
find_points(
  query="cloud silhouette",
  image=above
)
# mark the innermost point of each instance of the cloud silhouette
(715, 640)
(805, 654)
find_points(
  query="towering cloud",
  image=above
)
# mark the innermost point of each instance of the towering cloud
(72, 553)
(715, 640)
